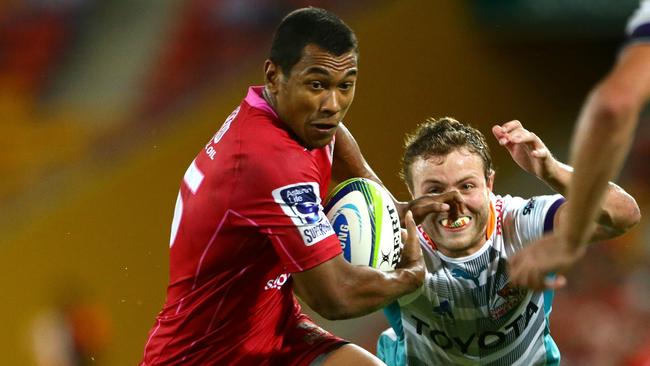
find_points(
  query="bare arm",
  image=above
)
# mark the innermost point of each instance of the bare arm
(349, 162)
(616, 213)
(603, 137)
(601, 142)
(338, 290)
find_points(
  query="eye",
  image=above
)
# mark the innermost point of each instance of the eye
(346, 86)
(316, 85)
(434, 190)
(468, 186)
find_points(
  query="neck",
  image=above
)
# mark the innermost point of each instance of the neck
(268, 97)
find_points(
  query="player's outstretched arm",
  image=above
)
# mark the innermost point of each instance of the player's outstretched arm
(616, 213)
(618, 210)
(603, 137)
(338, 290)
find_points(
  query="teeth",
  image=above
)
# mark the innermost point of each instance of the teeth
(460, 222)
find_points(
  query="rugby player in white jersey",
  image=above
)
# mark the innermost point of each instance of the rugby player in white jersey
(467, 312)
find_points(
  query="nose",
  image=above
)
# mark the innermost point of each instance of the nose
(452, 197)
(331, 103)
(455, 201)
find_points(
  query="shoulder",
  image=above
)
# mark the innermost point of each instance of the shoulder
(526, 219)
(266, 140)
(510, 205)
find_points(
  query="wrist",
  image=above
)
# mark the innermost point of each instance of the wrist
(412, 276)
(575, 239)
(557, 175)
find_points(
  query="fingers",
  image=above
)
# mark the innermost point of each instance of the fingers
(412, 250)
(411, 228)
(511, 126)
(498, 132)
(523, 272)
(513, 133)
(425, 205)
(541, 153)
(412, 258)
(555, 283)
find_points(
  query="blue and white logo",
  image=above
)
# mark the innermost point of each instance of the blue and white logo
(344, 230)
(303, 200)
(302, 203)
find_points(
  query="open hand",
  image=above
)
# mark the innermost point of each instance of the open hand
(526, 149)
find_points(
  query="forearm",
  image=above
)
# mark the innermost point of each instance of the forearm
(371, 290)
(602, 140)
(598, 156)
(338, 290)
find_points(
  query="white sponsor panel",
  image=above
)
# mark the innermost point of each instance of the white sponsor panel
(301, 202)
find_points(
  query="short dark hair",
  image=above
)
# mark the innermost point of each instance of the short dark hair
(439, 137)
(306, 26)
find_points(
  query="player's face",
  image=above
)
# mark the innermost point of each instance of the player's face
(460, 231)
(316, 95)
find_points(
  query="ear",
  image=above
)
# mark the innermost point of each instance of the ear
(272, 76)
(490, 180)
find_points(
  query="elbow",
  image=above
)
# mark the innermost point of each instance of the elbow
(633, 216)
(332, 302)
(627, 218)
(335, 315)
(332, 309)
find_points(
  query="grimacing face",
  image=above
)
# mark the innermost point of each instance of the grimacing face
(460, 170)
(313, 99)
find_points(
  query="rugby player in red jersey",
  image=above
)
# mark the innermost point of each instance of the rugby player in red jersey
(249, 227)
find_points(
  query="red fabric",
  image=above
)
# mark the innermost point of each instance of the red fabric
(229, 299)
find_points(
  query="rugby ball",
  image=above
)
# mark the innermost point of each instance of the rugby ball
(366, 222)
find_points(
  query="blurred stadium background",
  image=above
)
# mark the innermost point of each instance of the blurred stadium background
(104, 103)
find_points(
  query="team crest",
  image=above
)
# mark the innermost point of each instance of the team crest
(507, 296)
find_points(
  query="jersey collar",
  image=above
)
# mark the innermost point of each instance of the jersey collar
(254, 99)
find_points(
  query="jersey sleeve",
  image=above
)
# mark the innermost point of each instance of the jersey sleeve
(287, 208)
(526, 220)
(638, 26)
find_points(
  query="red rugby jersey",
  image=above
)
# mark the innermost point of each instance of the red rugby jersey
(248, 214)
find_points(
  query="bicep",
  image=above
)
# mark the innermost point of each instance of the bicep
(348, 159)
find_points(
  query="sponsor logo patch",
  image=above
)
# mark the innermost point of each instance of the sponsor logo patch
(529, 206)
(302, 203)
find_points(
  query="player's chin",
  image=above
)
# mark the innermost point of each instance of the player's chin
(320, 139)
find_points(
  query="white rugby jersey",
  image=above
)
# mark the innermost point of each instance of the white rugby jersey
(467, 313)
(638, 26)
